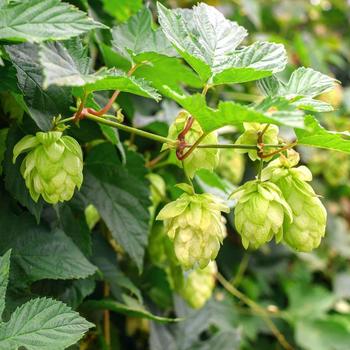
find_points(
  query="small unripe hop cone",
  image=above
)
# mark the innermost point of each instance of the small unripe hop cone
(53, 167)
(195, 224)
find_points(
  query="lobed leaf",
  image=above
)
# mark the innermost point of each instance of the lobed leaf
(4, 278)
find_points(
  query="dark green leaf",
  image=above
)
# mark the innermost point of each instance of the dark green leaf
(39, 252)
(42, 104)
(120, 194)
(132, 309)
(4, 278)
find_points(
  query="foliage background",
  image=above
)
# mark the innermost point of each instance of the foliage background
(307, 296)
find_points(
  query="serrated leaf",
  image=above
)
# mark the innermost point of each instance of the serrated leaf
(252, 63)
(106, 260)
(134, 309)
(61, 69)
(208, 42)
(4, 278)
(40, 252)
(231, 113)
(120, 194)
(42, 324)
(137, 36)
(42, 104)
(303, 85)
(317, 136)
(37, 20)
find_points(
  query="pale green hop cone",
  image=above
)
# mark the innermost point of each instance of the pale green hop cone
(195, 224)
(309, 215)
(260, 212)
(53, 166)
(250, 137)
(200, 158)
(198, 285)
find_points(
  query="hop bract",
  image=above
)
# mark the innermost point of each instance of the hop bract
(195, 224)
(309, 215)
(250, 137)
(201, 157)
(198, 285)
(260, 212)
(231, 165)
(53, 167)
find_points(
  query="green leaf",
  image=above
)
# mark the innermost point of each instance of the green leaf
(37, 20)
(325, 334)
(208, 42)
(121, 196)
(121, 9)
(252, 63)
(317, 136)
(42, 104)
(137, 36)
(106, 260)
(40, 252)
(303, 85)
(61, 69)
(132, 309)
(4, 278)
(231, 113)
(306, 301)
(42, 324)
(73, 223)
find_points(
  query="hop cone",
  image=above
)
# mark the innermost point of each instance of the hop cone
(195, 224)
(200, 158)
(309, 215)
(198, 285)
(250, 137)
(53, 167)
(260, 212)
(231, 165)
(92, 216)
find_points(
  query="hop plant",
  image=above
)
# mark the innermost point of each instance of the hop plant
(195, 224)
(53, 167)
(201, 157)
(309, 215)
(92, 216)
(198, 285)
(260, 212)
(251, 134)
(231, 165)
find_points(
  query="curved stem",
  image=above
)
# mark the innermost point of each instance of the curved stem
(257, 308)
(130, 129)
(192, 148)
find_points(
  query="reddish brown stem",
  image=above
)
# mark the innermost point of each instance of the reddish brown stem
(181, 138)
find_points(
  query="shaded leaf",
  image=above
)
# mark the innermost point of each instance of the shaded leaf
(4, 278)
(42, 104)
(133, 309)
(121, 196)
